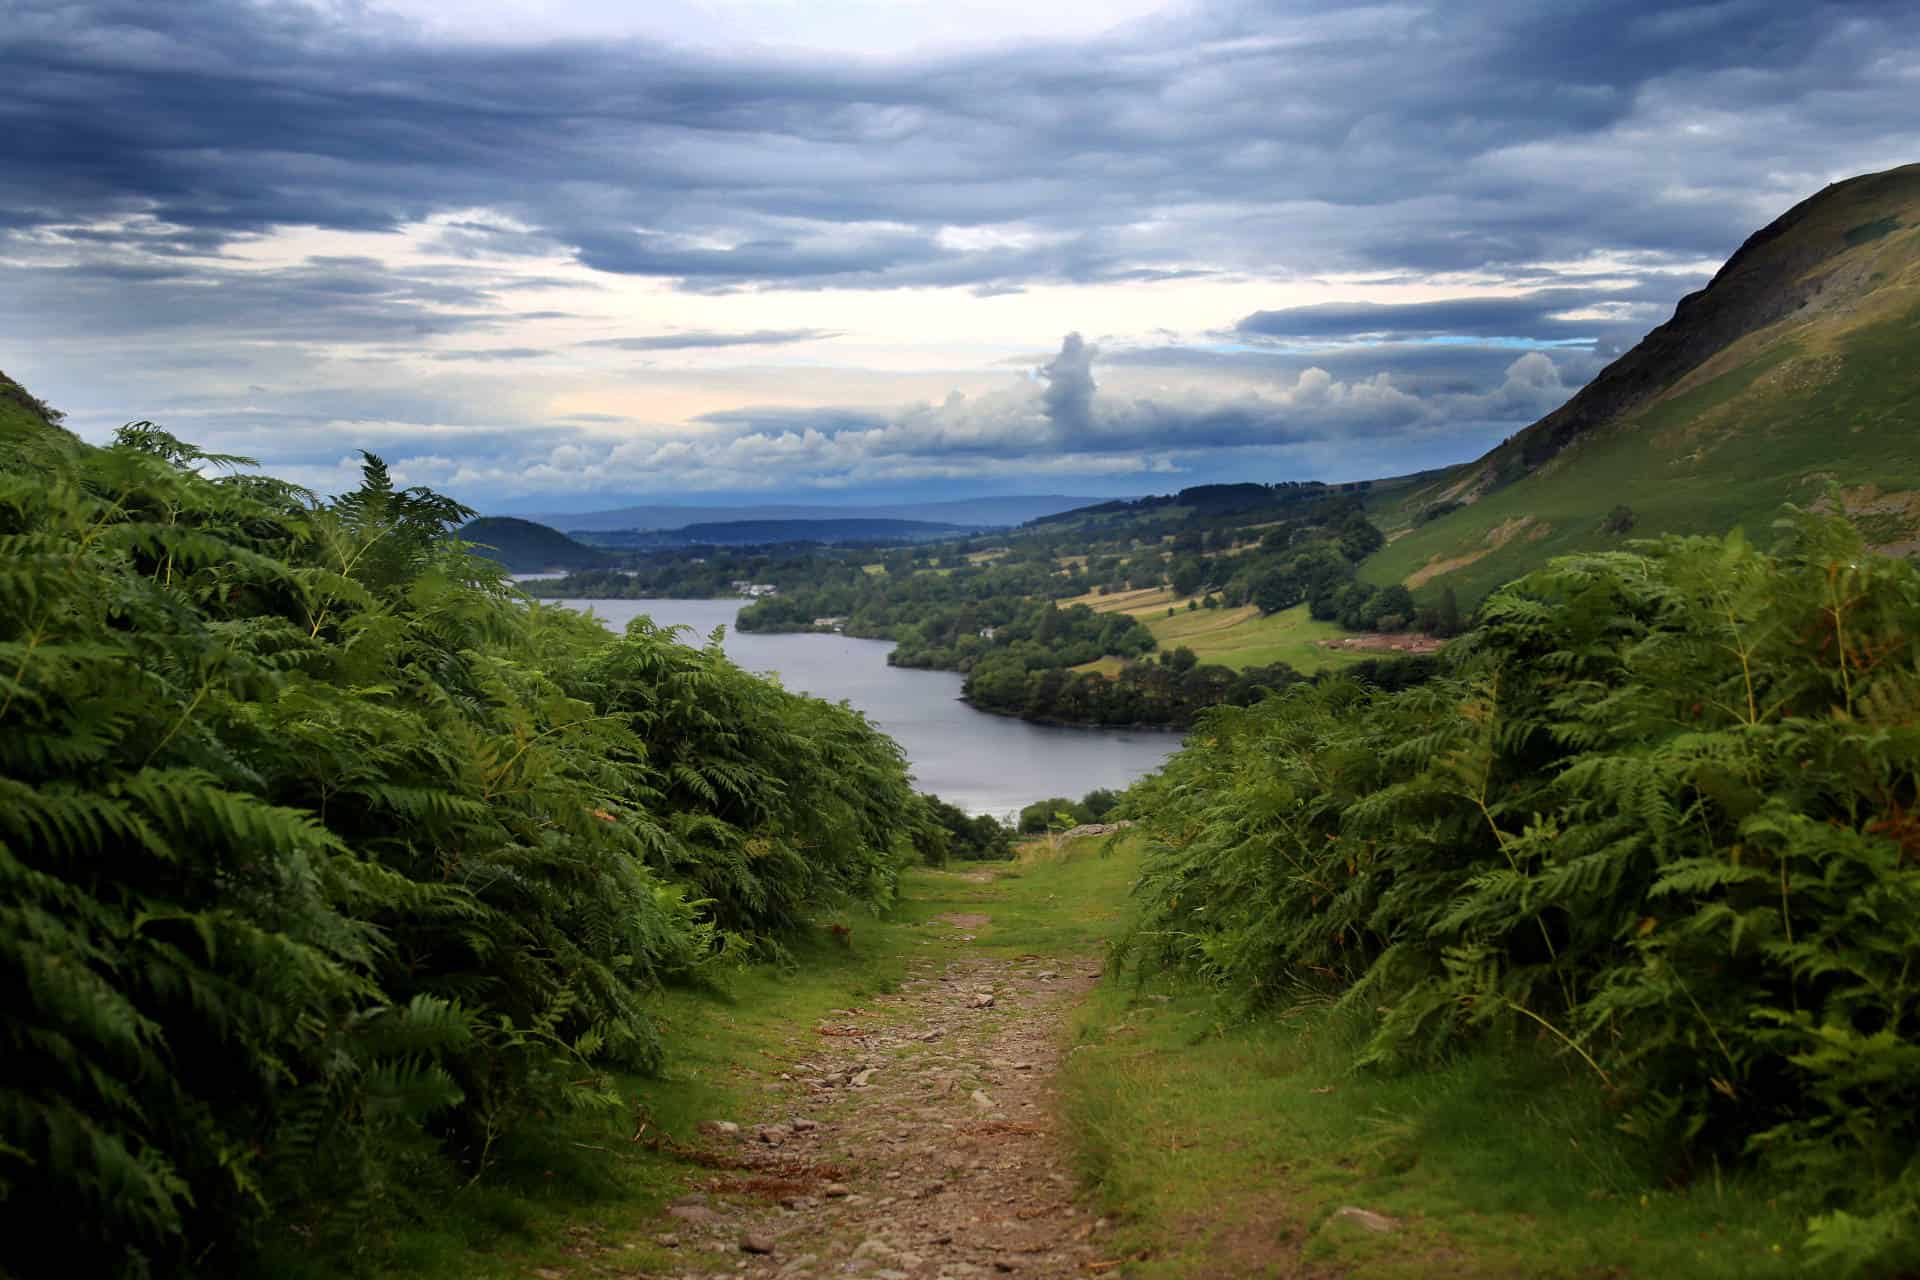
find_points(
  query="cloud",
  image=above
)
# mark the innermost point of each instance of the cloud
(175, 180)
(1068, 397)
(1536, 316)
(1056, 421)
(490, 354)
(698, 340)
(1230, 136)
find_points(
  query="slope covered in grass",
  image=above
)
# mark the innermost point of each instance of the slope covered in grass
(1796, 369)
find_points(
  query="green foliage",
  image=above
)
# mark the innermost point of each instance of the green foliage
(325, 856)
(1658, 812)
(951, 832)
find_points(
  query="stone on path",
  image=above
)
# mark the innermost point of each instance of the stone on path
(1365, 1219)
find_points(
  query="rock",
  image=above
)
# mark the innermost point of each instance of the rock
(694, 1213)
(982, 1101)
(775, 1134)
(981, 1000)
(1365, 1219)
(752, 1243)
(835, 1190)
(720, 1128)
(861, 1081)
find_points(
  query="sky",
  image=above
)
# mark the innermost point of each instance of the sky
(560, 255)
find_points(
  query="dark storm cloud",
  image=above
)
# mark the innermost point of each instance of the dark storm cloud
(144, 147)
(320, 300)
(698, 340)
(1535, 315)
(1290, 136)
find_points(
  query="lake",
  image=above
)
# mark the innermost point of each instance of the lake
(982, 763)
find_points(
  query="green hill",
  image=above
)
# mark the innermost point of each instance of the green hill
(1796, 368)
(21, 411)
(525, 547)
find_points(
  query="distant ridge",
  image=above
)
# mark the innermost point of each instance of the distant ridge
(995, 512)
(746, 533)
(523, 546)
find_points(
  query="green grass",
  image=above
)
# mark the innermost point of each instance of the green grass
(1241, 638)
(1225, 1146)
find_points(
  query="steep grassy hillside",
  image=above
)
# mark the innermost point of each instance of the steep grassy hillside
(525, 547)
(1796, 368)
(22, 412)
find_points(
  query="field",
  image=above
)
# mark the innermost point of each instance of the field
(1236, 638)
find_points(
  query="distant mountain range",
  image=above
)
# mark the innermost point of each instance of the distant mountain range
(1796, 369)
(750, 533)
(976, 513)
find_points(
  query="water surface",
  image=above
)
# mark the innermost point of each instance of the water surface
(983, 763)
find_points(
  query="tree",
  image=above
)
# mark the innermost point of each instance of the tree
(1359, 538)
(1189, 575)
(1277, 589)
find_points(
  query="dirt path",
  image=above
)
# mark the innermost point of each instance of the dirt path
(916, 1139)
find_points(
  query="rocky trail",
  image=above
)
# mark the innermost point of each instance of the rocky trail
(912, 1138)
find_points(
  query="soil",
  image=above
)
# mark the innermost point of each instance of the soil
(1385, 642)
(915, 1139)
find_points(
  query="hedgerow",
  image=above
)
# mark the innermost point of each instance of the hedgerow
(1658, 813)
(326, 856)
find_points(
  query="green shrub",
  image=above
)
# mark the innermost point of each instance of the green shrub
(325, 855)
(1658, 811)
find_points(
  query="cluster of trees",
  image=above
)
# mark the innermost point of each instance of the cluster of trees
(695, 573)
(328, 862)
(1169, 692)
(1657, 812)
(1036, 637)
(1057, 811)
(952, 833)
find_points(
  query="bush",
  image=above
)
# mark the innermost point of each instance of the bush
(1658, 809)
(329, 861)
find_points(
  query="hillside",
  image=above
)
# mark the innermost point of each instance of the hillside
(1797, 367)
(22, 413)
(525, 547)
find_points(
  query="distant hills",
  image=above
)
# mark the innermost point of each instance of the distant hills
(523, 546)
(526, 546)
(747, 533)
(999, 512)
(1796, 368)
